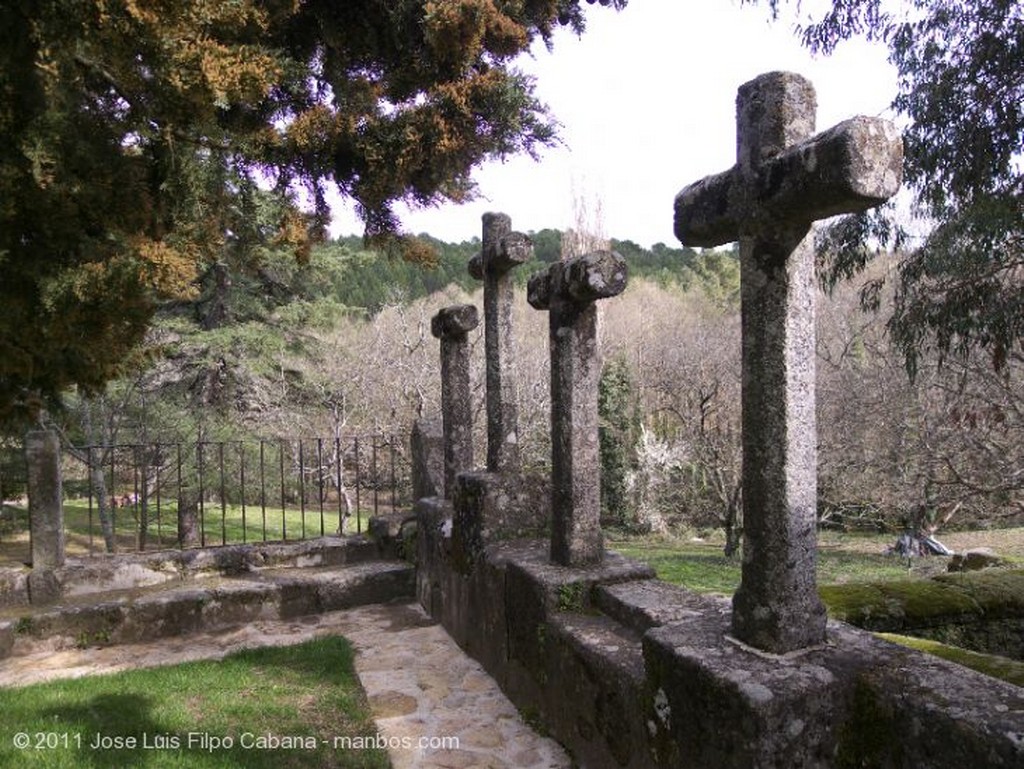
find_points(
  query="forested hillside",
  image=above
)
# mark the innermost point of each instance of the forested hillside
(370, 283)
(342, 344)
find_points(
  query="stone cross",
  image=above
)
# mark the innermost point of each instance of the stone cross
(501, 251)
(569, 290)
(451, 325)
(784, 179)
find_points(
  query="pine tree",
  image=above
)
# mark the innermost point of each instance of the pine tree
(133, 134)
(618, 434)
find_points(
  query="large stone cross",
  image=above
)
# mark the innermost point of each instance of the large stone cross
(784, 179)
(501, 251)
(569, 290)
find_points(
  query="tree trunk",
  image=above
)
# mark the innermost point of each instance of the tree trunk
(733, 530)
(99, 485)
(142, 506)
(188, 518)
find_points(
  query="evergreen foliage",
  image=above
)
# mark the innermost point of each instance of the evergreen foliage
(959, 65)
(618, 409)
(133, 132)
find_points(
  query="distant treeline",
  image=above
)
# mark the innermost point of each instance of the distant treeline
(370, 281)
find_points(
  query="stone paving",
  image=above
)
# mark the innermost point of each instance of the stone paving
(420, 685)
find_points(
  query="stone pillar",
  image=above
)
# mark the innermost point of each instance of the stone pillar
(502, 250)
(426, 449)
(784, 179)
(569, 290)
(451, 325)
(45, 499)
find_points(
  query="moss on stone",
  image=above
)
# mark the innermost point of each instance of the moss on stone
(998, 592)
(572, 596)
(992, 594)
(928, 601)
(859, 604)
(1002, 668)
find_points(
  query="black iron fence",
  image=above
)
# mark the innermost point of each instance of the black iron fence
(13, 501)
(159, 495)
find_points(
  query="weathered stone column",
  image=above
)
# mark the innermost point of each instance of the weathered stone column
(502, 250)
(452, 325)
(45, 499)
(426, 450)
(569, 290)
(784, 179)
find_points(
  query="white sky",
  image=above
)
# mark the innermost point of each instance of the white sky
(646, 99)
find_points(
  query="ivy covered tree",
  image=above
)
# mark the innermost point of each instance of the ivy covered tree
(134, 133)
(961, 85)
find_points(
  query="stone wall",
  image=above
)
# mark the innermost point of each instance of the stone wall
(79, 577)
(629, 671)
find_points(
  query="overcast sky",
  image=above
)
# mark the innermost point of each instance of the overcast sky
(646, 99)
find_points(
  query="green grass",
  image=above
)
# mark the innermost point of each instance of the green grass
(220, 526)
(698, 567)
(309, 691)
(701, 566)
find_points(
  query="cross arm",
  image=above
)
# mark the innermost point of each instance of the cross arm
(706, 212)
(454, 321)
(582, 279)
(510, 251)
(852, 167)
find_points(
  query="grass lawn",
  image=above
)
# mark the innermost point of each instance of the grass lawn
(842, 558)
(176, 715)
(228, 525)
(701, 566)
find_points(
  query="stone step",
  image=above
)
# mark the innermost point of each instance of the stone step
(210, 603)
(103, 573)
(644, 604)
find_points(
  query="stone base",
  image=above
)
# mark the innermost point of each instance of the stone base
(627, 671)
(855, 701)
(491, 508)
(205, 604)
(43, 586)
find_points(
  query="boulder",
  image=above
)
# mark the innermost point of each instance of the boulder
(974, 560)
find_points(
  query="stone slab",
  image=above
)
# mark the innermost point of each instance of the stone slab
(207, 604)
(491, 507)
(854, 701)
(433, 550)
(536, 589)
(651, 603)
(14, 587)
(104, 573)
(558, 584)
